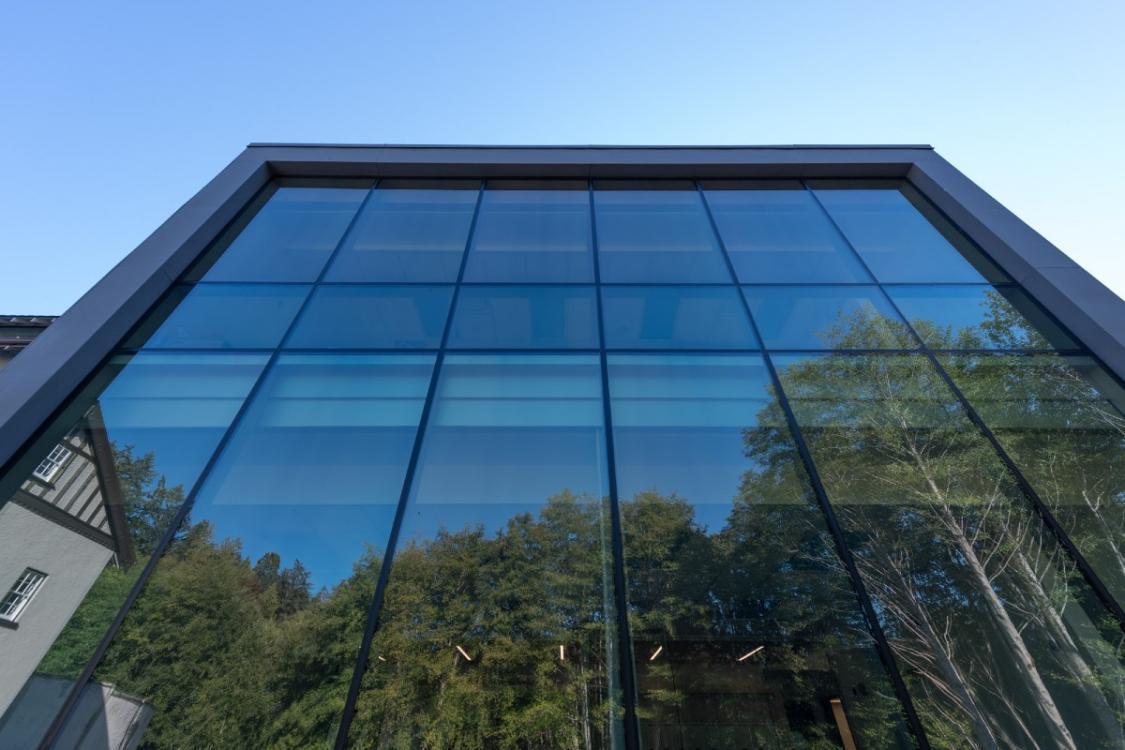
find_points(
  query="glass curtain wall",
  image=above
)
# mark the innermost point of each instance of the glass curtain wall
(521, 464)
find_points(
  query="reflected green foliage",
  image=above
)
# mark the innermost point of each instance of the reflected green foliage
(510, 600)
(1067, 437)
(767, 579)
(948, 546)
(239, 655)
(149, 505)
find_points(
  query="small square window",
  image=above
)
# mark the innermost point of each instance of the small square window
(49, 466)
(22, 592)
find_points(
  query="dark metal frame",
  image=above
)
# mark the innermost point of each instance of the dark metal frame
(38, 383)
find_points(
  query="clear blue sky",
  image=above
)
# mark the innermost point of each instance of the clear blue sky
(112, 114)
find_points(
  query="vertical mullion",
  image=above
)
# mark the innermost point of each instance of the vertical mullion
(882, 645)
(375, 610)
(621, 598)
(87, 673)
(1029, 492)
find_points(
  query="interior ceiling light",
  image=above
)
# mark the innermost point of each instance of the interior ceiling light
(656, 653)
(750, 653)
(463, 653)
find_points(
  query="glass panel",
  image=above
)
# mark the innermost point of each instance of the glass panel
(408, 234)
(746, 631)
(289, 239)
(827, 317)
(656, 235)
(777, 236)
(358, 317)
(223, 316)
(133, 445)
(525, 317)
(665, 317)
(1061, 421)
(498, 617)
(532, 235)
(899, 244)
(977, 317)
(999, 639)
(247, 632)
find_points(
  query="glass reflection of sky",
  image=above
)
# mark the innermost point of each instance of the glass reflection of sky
(506, 434)
(176, 406)
(315, 470)
(678, 425)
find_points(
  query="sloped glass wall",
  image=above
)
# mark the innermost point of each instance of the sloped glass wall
(534, 464)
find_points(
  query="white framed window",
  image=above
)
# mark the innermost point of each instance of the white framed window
(24, 589)
(50, 465)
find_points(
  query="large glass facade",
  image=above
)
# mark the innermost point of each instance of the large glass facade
(576, 464)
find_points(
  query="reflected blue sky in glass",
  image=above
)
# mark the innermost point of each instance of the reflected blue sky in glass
(897, 242)
(826, 317)
(375, 317)
(291, 238)
(525, 317)
(668, 317)
(176, 406)
(315, 470)
(678, 423)
(532, 235)
(506, 433)
(408, 234)
(780, 235)
(977, 317)
(230, 316)
(656, 236)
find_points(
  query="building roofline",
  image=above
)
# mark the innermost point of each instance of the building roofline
(39, 381)
(597, 146)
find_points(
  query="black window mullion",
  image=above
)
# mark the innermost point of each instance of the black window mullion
(375, 610)
(621, 597)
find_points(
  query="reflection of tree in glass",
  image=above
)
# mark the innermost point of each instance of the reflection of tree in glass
(976, 600)
(1067, 439)
(530, 606)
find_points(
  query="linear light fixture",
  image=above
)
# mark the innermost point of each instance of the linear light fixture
(750, 653)
(656, 653)
(380, 658)
(463, 653)
(562, 652)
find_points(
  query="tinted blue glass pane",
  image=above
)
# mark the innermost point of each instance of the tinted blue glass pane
(677, 424)
(347, 418)
(291, 238)
(666, 317)
(230, 316)
(898, 243)
(176, 407)
(977, 317)
(532, 235)
(500, 582)
(826, 317)
(656, 236)
(359, 316)
(731, 575)
(529, 317)
(407, 234)
(315, 469)
(777, 236)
